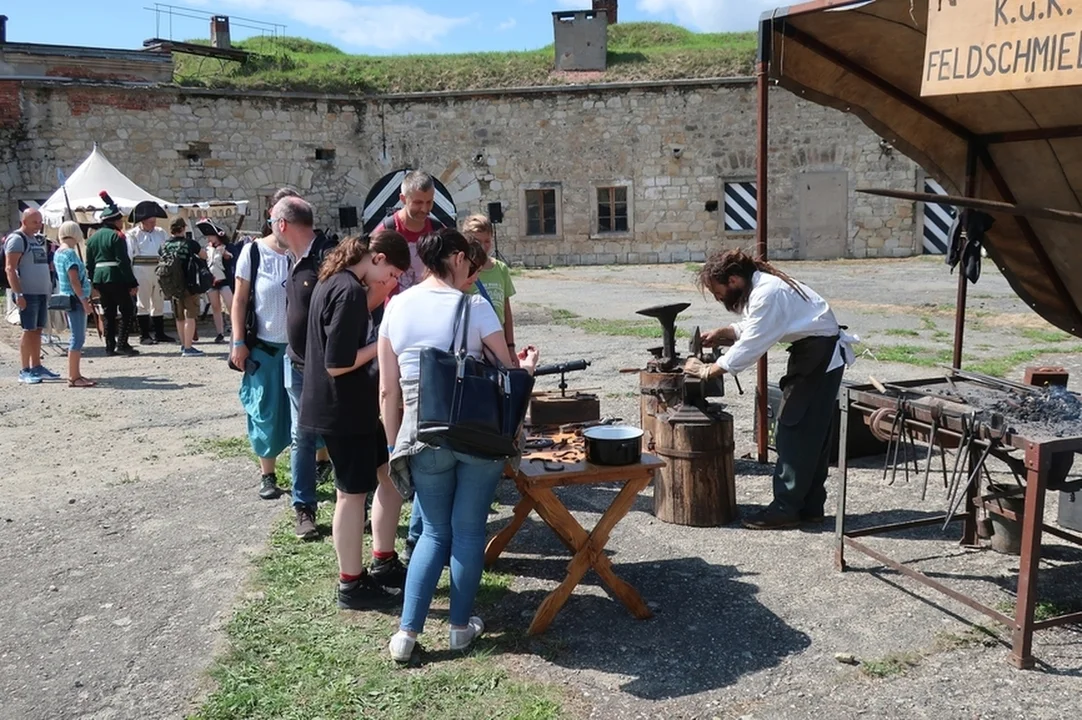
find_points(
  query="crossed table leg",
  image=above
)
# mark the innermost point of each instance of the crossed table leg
(588, 547)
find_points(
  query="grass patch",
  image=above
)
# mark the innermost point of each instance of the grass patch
(1003, 365)
(912, 355)
(693, 267)
(928, 323)
(1045, 336)
(942, 336)
(901, 332)
(636, 51)
(977, 636)
(890, 665)
(649, 329)
(221, 448)
(294, 654)
(1045, 609)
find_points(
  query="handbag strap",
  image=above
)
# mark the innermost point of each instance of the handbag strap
(462, 320)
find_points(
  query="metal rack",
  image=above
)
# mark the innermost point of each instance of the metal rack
(1038, 456)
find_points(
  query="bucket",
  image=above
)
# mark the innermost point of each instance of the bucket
(1006, 533)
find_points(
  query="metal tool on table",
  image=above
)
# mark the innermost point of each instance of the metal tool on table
(936, 411)
(549, 408)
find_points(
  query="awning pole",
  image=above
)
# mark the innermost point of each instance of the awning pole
(762, 76)
(963, 285)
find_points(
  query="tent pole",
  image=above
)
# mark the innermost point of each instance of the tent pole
(762, 146)
(963, 286)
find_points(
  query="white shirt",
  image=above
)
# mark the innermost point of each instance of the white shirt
(143, 243)
(775, 313)
(216, 261)
(270, 290)
(425, 317)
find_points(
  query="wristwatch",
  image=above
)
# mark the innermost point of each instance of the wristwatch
(16, 295)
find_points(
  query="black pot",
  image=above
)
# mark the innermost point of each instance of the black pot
(613, 444)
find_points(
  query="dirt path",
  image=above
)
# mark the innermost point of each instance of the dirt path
(123, 549)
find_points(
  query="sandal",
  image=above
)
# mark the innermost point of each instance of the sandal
(81, 382)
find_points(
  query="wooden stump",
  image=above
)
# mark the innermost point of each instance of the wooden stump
(661, 393)
(697, 485)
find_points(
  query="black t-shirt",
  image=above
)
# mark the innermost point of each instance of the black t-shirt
(299, 287)
(338, 326)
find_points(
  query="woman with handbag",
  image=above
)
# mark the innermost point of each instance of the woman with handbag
(72, 281)
(340, 402)
(454, 490)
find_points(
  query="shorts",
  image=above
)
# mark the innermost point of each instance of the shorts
(356, 459)
(219, 284)
(186, 308)
(35, 315)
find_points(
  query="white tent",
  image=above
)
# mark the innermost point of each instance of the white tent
(96, 173)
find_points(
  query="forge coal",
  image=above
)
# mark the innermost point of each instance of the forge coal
(1053, 405)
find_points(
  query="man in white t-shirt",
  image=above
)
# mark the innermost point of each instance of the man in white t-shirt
(144, 247)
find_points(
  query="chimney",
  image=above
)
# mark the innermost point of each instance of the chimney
(219, 32)
(609, 6)
(3, 29)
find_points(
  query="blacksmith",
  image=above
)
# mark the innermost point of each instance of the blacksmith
(776, 308)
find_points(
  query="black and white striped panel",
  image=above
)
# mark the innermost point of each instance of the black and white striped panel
(741, 206)
(937, 221)
(382, 200)
(31, 204)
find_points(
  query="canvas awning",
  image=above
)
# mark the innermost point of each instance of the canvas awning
(867, 58)
(96, 173)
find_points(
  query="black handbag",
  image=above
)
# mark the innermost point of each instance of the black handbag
(468, 405)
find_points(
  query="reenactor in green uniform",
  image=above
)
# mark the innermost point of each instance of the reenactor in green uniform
(112, 277)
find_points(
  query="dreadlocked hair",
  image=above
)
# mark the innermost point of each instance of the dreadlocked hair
(352, 250)
(722, 266)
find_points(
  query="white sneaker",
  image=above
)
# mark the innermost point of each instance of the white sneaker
(401, 646)
(461, 639)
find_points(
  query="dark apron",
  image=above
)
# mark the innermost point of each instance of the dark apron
(809, 359)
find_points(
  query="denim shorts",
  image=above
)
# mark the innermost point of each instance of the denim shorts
(35, 315)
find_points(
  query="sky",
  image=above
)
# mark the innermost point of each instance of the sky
(356, 26)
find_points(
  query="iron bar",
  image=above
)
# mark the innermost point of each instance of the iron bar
(925, 580)
(907, 525)
(762, 194)
(1075, 617)
(963, 287)
(1055, 133)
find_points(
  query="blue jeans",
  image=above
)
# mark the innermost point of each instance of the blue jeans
(302, 458)
(77, 321)
(416, 523)
(454, 493)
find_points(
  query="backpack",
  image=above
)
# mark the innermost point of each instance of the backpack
(251, 323)
(171, 271)
(4, 284)
(388, 223)
(197, 276)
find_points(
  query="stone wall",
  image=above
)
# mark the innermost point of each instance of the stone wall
(672, 146)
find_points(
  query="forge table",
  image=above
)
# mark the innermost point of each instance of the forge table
(536, 480)
(1038, 459)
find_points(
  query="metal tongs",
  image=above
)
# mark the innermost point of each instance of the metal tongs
(695, 350)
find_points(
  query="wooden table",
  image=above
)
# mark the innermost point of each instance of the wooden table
(536, 481)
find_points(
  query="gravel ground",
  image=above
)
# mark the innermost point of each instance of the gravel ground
(123, 551)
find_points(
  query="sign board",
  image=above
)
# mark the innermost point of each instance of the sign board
(984, 45)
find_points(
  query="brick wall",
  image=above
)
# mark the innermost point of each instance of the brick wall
(672, 148)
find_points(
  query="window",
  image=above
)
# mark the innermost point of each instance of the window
(612, 209)
(741, 206)
(325, 154)
(541, 211)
